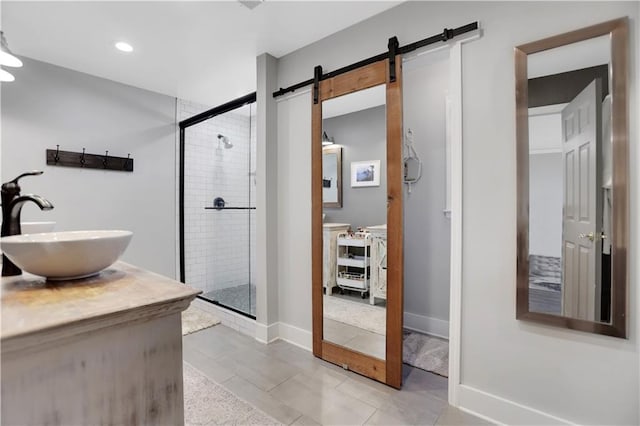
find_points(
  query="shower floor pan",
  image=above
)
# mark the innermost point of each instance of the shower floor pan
(239, 298)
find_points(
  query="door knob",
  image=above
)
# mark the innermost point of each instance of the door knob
(590, 236)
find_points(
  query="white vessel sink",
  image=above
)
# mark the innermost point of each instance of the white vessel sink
(36, 227)
(66, 255)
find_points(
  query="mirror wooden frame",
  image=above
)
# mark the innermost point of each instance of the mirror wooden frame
(338, 151)
(618, 31)
(389, 370)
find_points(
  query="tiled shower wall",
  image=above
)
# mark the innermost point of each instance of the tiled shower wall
(219, 245)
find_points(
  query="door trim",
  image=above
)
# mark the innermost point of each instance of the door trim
(455, 275)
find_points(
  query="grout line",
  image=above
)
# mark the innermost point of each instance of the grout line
(270, 390)
(369, 418)
(232, 377)
(297, 418)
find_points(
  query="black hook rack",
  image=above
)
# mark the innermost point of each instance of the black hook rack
(56, 157)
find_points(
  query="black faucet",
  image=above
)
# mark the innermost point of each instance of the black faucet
(12, 203)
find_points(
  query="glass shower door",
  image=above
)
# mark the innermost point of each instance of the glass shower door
(219, 209)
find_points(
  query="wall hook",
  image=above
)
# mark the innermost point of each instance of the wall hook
(57, 156)
(105, 159)
(82, 160)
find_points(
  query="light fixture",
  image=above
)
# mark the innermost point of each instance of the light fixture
(124, 47)
(6, 76)
(6, 57)
(326, 140)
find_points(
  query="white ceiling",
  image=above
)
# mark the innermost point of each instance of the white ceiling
(200, 51)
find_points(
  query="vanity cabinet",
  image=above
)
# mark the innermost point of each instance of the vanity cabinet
(378, 263)
(353, 261)
(100, 350)
(330, 233)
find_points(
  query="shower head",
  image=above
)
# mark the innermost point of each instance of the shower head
(225, 141)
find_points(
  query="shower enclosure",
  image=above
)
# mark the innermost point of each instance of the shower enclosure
(217, 204)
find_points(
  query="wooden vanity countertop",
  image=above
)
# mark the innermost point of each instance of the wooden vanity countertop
(33, 307)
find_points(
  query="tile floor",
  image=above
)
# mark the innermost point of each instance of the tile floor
(293, 386)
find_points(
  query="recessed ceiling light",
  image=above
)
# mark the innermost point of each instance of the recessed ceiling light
(251, 4)
(124, 47)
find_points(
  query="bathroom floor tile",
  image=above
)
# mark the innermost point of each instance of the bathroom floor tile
(452, 416)
(294, 387)
(206, 365)
(322, 402)
(263, 400)
(305, 421)
(383, 418)
(414, 407)
(263, 371)
(214, 342)
(373, 395)
(417, 380)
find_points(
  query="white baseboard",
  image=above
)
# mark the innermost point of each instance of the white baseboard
(296, 336)
(267, 333)
(496, 409)
(229, 318)
(263, 333)
(426, 325)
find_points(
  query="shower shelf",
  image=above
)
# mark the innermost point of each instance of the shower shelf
(229, 208)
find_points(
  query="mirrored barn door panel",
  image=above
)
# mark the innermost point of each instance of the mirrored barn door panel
(354, 234)
(357, 222)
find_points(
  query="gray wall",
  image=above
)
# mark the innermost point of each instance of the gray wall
(49, 105)
(362, 136)
(266, 197)
(427, 236)
(500, 355)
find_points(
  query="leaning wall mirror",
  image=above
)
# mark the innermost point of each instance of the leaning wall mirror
(332, 176)
(357, 249)
(572, 153)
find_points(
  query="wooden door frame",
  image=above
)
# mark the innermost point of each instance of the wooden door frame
(388, 371)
